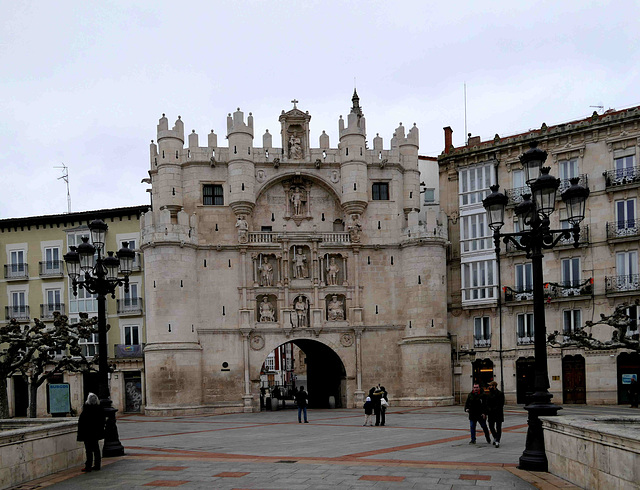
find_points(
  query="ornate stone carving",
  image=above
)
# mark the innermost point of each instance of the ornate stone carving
(346, 339)
(335, 176)
(335, 309)
(256, 341)
(261, 176)
(295, 147)
(332, 272)
(298, 201)
(300, 268)
(354, 228)
(267, 313)
(266, 273)
(243, 229)
(301, 307)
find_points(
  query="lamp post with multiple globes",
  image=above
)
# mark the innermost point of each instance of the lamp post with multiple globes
(89, 269)
(535, 236)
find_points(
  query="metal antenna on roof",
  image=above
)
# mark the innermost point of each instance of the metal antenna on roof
(465, 114)
(601, 107)
(65, 177)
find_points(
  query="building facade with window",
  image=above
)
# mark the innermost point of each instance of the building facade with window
(35, 285)
(249, 248)
(490, 298)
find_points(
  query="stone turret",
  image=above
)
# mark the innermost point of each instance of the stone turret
(408, 147)
(167, 188)
(241, 167)
(353, 160)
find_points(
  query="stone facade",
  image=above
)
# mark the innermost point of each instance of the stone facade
(491, 308)
(247, 248)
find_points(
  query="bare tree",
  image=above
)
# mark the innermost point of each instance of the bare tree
(40, 351)
(619, 322)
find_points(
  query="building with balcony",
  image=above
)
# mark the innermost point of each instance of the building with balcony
(490, 297)
(248, 248)
(35, 285)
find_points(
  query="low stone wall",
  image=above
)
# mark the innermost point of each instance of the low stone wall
(594, 452)
(33, 448)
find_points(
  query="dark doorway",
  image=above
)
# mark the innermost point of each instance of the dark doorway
(20, 396)
(574, 385)
(628, 365)
(482, 372)
(317, 367)
(90, 384)
(525, 379)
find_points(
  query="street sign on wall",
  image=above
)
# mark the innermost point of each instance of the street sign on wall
(59, 398)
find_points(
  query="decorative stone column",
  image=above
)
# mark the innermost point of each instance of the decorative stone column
(359, 393)
(247, 398)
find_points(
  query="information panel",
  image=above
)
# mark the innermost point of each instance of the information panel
(59, 398)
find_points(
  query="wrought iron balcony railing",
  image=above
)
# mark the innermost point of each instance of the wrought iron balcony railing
(622, 176)
(47, 310)
(130, 306)
(520, 293)
(20, 313)
(620, 284)
(568, 289)
(482, 342)
(623, 229)
(525, 340)
(128, 351)
(16, 271)
(515, 194)
(51, 268)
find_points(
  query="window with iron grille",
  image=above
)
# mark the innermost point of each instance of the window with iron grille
(212, 195)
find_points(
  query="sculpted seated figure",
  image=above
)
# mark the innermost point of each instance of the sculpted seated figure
(336, 309)
(266, 311)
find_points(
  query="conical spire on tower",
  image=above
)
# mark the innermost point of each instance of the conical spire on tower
(356, 109)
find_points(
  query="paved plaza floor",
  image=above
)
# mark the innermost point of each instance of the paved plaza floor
(419, 448)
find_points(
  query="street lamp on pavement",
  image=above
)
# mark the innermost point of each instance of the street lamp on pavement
(535, 236)
(99, 276)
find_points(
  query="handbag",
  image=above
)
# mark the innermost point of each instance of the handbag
(384, 403)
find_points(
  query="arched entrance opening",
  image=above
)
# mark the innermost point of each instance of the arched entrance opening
(574, 384)
(308, 363)
(482, 372)
(525, 379)
(628, 367)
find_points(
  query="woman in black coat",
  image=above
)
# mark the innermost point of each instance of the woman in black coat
(91, 430)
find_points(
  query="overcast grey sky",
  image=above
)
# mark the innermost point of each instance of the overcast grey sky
(84, 83)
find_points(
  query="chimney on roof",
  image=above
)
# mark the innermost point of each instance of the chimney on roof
(448, 139)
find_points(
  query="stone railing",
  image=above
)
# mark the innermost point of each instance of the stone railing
(33, 448)
(277, 236)
(594, 452)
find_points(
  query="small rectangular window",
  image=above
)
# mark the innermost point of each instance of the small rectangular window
(380, 191)
(429, 195)
(212, 195)
(266, 228)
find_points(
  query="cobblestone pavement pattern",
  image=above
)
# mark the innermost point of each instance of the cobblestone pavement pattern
(419, 448)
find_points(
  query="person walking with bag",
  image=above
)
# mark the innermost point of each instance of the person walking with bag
(384, 404)
(495, 412)
(90, 431)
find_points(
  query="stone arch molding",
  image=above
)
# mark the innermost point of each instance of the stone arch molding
(316, 179)
(268, 343)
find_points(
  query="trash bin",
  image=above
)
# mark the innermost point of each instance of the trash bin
(332, 402)
(274, 404)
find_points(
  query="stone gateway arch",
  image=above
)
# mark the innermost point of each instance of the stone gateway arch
(247, 248)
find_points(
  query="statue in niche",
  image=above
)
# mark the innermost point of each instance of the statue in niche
(267, 313)
(354, 228)
(336, 309)
(300, 270)
(297, 200)
(243, 229)
(266, 273)
(295, 147)
(300, 306)
(332, 272)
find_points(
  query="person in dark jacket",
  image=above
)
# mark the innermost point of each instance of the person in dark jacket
(476, 407)
(91, 430)
(368, 410)
(634, 391)
(376, 397)
(495, 412)
(302, 400)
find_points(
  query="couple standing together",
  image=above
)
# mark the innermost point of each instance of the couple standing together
(377, 402)
(482, 407)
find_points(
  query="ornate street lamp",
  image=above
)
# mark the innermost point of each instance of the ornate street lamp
(536, 235)
(99, 275)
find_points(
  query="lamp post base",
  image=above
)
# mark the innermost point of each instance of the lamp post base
(534, 457)
(112, 445)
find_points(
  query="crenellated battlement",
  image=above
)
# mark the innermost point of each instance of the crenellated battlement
(176, 132)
